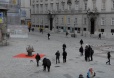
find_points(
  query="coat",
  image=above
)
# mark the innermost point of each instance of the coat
(57, 54)
(37, 57)
(64, 54)
(91, 73)
(81, 49)
(46, 62)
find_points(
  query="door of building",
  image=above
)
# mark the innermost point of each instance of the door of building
(92, 29)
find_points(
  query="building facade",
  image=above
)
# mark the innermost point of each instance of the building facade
(13, 13)
(25, 11)
(82, 17)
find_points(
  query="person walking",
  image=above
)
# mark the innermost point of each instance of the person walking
(46, 64)
(108, 56)
(48, 36)
(99, 36)
(37, 59)
(81, 51)
(57, 57)
(64, 56)
(66, 33)
(81, 42)
(64, 47)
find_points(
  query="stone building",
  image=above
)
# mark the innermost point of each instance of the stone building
(13, 13)
(83, 17)
(25, 11)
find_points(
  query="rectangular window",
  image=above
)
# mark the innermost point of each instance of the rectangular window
(41, 8)
(85, 6)
(103, 4)
(33, 9)
(57, 6)
(68, 20)
(51, 7)
(76, 21)
(112, 21)
(46, 5)
(102, 30)
(102, 21)
(68, 28)
(76, 7)
(113, 4)
(63, 5)
(69, 7)
(85, 21)
(112, 30)
(37, 8)
(62, 21)
(84, 29)
(57, 21)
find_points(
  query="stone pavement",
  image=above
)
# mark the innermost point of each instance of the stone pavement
(22, 68)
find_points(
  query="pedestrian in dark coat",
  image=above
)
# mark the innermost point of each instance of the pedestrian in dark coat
(29, 28)
(91, 54)
(108, 56)
(57, 57)
(99, 36)
(64, 47)
(46, 64)
(81, 42)
(37, 59)
(48, 36)
(32, 29)
(86, 52)
(66, 33)
(64, 56)
(81, 51)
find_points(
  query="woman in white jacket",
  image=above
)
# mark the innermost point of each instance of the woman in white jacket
(91, 73)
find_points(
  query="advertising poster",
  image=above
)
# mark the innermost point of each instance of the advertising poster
(1, 17)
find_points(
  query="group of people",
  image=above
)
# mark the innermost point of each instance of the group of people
(88, 57)
(88, 51)
(46, 62)
(90, 74)
(64, 54)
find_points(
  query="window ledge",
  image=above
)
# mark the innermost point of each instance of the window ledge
(102, 25)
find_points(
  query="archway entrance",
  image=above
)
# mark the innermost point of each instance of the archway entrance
(92, 27)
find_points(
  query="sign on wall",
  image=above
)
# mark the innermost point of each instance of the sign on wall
(1, 17)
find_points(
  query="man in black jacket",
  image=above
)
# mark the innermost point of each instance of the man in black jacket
(108, 56)
(46, 64)
(64, 56)
(57, 56)
(81, 51)
(37, 59)
(64, 47)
